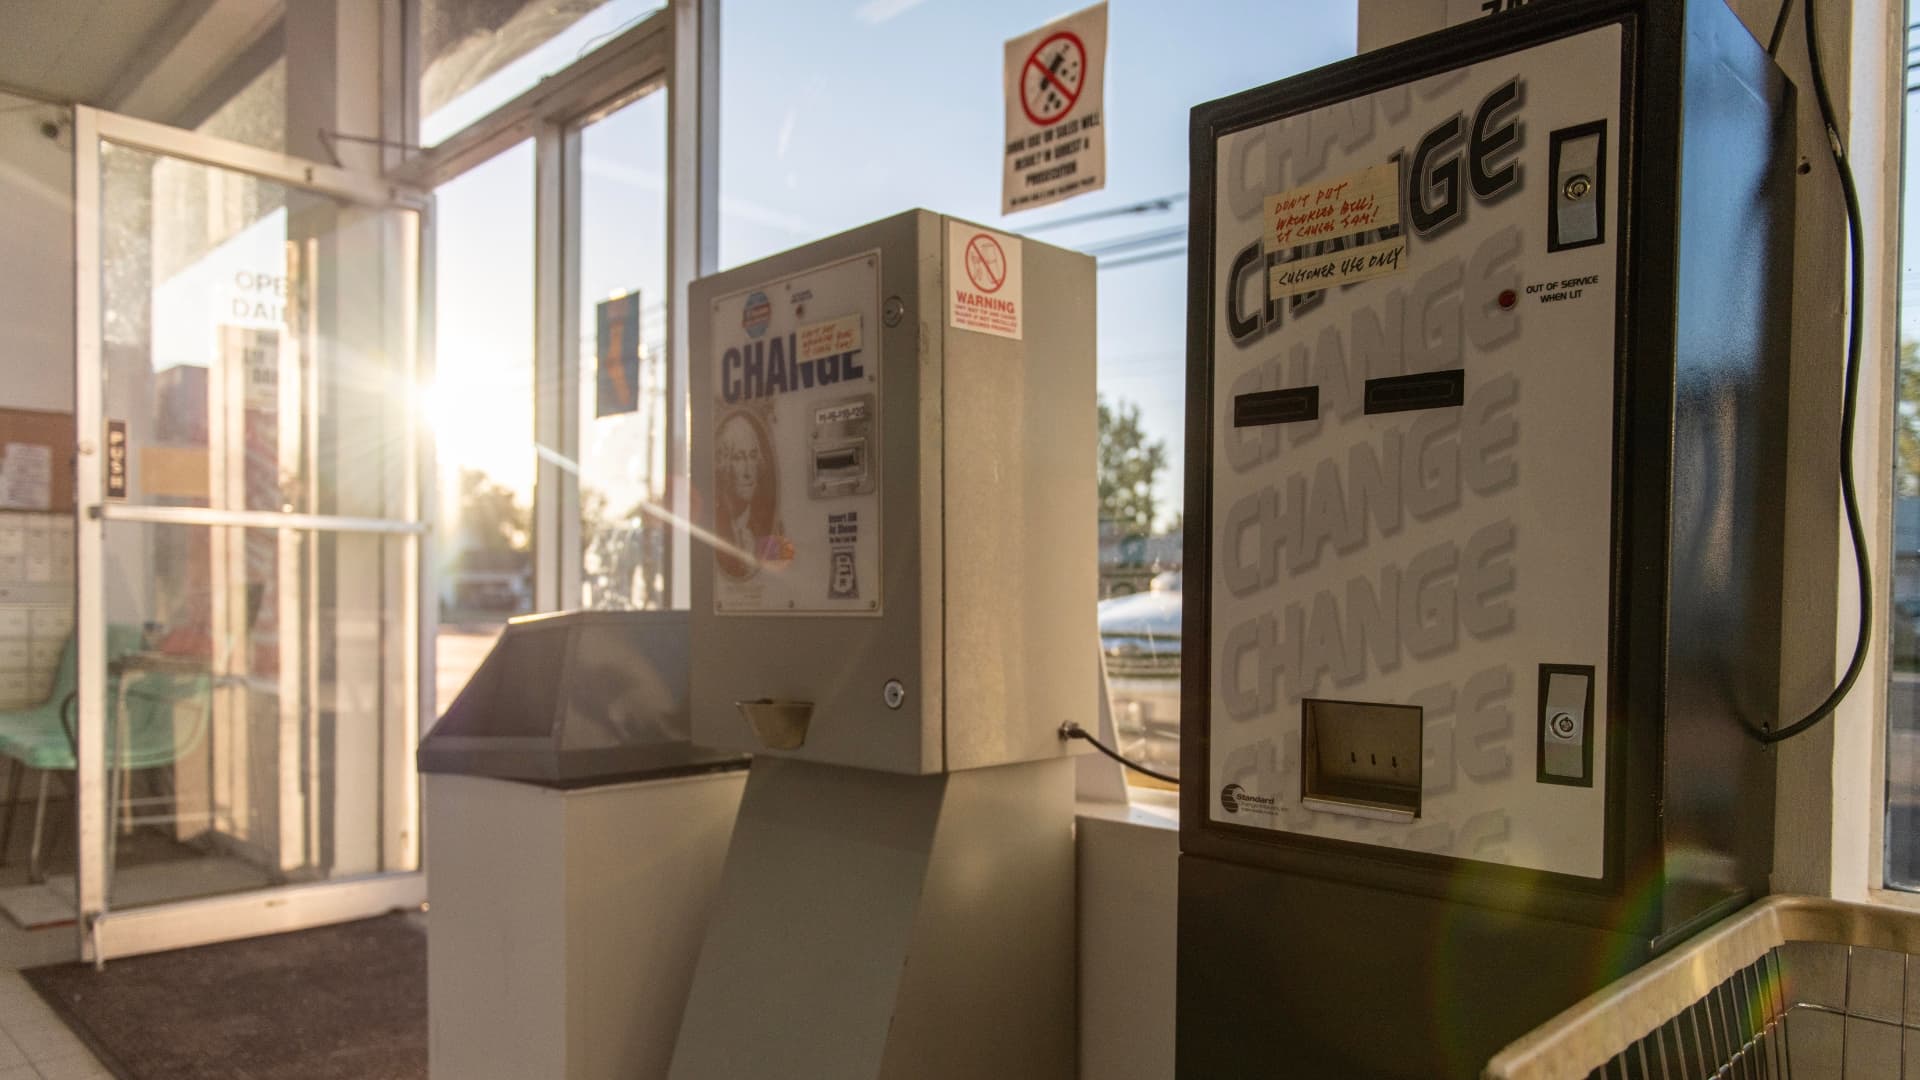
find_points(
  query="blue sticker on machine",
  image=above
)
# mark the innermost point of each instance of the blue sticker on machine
(757, 314)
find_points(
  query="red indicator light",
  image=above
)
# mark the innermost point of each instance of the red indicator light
(1508, 298)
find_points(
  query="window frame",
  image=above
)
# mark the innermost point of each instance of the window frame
(675, 49)
(1879, 95)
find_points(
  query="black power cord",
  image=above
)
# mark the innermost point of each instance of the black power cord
(1779, 28)
(1071, 730)
(1848, 406)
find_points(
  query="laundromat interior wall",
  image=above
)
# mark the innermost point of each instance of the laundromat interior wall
(36, 218)
(1829, 831)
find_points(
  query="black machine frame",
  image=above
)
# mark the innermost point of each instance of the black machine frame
(1663, 43)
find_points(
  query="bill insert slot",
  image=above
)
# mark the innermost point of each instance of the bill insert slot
(1425, 390)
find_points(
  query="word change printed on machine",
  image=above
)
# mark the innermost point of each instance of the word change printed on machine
(1487, 402)
(895, 618)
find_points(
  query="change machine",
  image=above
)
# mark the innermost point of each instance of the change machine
(1486, 426)
(895, 431)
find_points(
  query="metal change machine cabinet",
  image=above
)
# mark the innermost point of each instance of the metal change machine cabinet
(894, 432)
(1487, 405)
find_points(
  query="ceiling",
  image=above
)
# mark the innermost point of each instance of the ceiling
(147, 58)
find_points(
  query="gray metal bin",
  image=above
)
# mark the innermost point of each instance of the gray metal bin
(574, 699)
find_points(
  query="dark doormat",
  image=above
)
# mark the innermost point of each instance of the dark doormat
(345, 1002)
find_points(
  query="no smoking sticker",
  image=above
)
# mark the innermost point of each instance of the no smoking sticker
(1056, 124)
(983, 280)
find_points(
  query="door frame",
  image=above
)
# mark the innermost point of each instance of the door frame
(105, 933)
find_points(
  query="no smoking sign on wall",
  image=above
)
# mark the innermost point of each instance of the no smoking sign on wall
(1056, 124)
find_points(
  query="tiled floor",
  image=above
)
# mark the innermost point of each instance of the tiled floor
(34, 1041)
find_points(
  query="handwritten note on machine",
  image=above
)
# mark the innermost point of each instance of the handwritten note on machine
(1338, 231)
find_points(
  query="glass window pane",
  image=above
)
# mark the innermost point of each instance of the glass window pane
(476, 57)
(622, 271)
(1903, 613)
(256, 683)
(481, 407)
(809, 148)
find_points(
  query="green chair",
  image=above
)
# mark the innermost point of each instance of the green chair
(143, 693)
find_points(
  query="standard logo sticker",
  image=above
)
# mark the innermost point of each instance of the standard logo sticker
(983, 280)
(756, 315)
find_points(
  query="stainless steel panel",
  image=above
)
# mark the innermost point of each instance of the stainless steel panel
(880, 927)
(983, 447)
(1022, 589)
(838, 663)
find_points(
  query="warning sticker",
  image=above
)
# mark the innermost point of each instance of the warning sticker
(1055, 87)
(1335, 232)
(983, 280)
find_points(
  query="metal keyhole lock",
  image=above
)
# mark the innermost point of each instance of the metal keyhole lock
(894, 693)
(1578, 186)
(1563, 725)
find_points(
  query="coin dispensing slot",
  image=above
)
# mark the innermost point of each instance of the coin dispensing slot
(1361, 758)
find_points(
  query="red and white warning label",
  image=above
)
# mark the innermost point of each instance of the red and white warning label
(983, 280)
(1056, 113)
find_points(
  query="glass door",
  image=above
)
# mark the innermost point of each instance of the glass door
(249, 540)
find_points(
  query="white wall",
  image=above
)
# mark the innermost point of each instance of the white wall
(36, 257)
(1128, 883)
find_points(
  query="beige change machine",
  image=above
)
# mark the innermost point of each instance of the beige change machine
(894, 437)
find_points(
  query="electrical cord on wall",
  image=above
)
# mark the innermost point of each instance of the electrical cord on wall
(1071, 730)
(1848, 407)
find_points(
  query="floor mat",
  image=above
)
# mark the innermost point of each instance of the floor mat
(345, 1002)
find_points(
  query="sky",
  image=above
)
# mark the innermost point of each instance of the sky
(833, 115)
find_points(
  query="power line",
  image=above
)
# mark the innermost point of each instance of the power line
(1135, 260)
(1150, 206)
(1137, 240)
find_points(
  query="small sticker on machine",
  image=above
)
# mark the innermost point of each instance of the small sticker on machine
(840, 414)
(983, 280)
(830, 337)
(843, 537)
